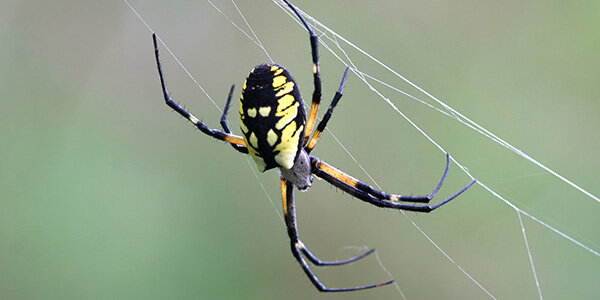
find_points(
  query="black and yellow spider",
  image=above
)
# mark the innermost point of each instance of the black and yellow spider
(277, 135)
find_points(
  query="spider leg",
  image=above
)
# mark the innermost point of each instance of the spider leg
(225, 124)
(311, 257)
(227, 137)
(319, 262)
(316, 97)
(423, 199)
(368, 194)
(287, 191)
(338, 95)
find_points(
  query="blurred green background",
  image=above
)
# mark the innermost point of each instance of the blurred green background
(107, 194)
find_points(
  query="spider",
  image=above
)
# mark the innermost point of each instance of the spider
(277, 135)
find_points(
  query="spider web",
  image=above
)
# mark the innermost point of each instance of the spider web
(348, 53)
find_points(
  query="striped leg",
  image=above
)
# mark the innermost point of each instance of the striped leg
(338, 95)
(298, 247)
(227, 137)
(316, 98)
(367, 193)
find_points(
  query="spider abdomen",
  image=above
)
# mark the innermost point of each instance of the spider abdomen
(272, 117)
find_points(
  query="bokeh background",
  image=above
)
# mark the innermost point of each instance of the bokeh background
(107, 194)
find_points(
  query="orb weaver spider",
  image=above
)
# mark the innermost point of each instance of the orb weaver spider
(277, 135)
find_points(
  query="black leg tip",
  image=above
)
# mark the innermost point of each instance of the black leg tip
(154, 38)
(341, 88)
(472, 183)
(385, 283)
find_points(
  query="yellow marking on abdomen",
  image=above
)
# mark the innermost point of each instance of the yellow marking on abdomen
(284, 102)
(288, 147)
(264, 111)
(193, 119)
(271, 137)
(279, 80)
(253, 141)
(260, 162)
(276, 69)
(286, 88)
(251, 112)
(287, 133)
(286, 116)
(243, 126)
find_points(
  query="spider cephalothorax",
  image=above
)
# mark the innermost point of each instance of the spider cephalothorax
(277, 135)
